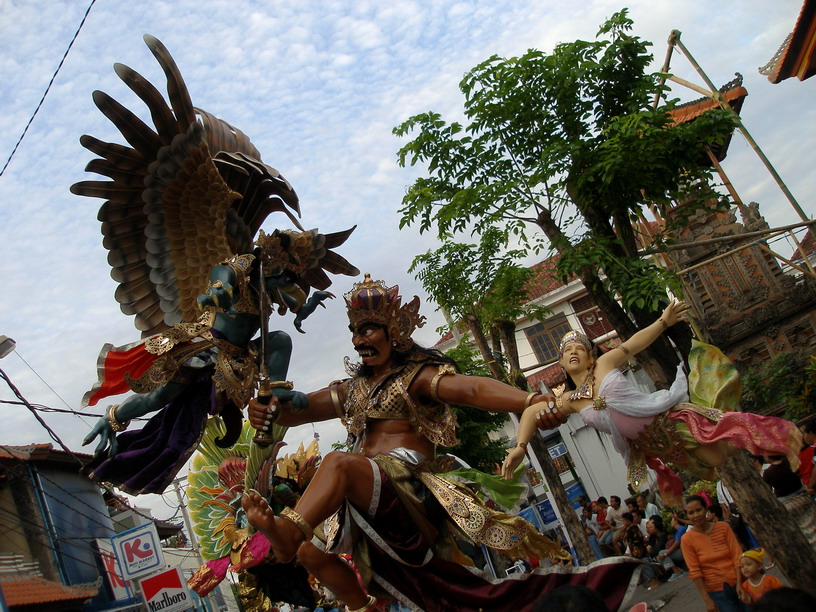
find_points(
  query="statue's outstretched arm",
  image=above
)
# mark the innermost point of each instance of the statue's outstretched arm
(117, 417)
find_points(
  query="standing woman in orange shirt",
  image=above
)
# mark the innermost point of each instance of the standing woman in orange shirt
(712, 554)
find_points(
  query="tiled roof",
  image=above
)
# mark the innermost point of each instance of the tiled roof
(545, 280)
(31, 590)
(446, 336)
(40, 452)
(808, 245)
(733, 93)
(684, 113)
(797, 55)
(550, 376)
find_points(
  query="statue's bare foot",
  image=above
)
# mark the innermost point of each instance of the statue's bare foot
(284, 536)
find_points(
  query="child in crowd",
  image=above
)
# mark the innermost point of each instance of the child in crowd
(756, 583)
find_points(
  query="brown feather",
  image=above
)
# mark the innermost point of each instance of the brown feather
(161, 114)
(119, 154)
(135, 131)
(176, 88)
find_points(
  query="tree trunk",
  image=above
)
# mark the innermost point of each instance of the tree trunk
(658, 370)
(572, 523)
(507, 332)
(495, 339)
(771, 523)
(495, 368)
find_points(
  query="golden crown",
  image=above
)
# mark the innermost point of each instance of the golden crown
(372, 301)
(575, 336)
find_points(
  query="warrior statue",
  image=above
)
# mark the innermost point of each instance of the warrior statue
(391, 503)
(184, 205)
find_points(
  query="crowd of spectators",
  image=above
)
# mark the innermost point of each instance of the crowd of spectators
(708, 540)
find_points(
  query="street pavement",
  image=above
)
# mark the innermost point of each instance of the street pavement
(679, 595)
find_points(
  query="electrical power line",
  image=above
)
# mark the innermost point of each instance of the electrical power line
(42, 422)
(45, 382)
(44, 408)
(47, 89)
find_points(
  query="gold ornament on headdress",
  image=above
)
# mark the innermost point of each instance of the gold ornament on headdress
(575, 336)
(373, 302)
(272, 252)
(284, 249)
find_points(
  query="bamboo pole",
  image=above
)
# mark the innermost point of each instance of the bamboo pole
(726, 181)
(715, 95)
(687, 245)
(801, 252)
(765, 248)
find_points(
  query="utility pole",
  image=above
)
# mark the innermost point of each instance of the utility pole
(187, 523)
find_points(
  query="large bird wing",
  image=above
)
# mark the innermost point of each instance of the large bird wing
(184, 195)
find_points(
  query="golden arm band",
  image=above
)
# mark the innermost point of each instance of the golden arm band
(335, 398)
(115, 425)
(443, 370)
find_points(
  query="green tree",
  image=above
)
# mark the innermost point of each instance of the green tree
(565, 148)
(785, 383)
(475, 446)
(486, 291)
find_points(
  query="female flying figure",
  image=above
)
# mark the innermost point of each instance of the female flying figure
(657, 429)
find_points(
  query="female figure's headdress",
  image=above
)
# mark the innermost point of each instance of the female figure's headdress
(372, 301)
(575, 336)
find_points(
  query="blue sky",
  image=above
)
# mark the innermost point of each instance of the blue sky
(318, 86)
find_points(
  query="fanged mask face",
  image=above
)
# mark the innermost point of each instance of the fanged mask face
(371, 343)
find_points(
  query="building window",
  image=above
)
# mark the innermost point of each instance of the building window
(545, 336)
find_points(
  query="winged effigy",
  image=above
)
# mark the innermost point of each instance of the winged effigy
(185, 200)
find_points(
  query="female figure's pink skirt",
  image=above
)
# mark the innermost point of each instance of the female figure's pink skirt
(670, 441)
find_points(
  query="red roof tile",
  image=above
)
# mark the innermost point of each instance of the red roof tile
(550, 376)
(733, 93)
(808, 245)
(29, 590)
(684, 113)
(545, 279)
(40, 452)
(797, 56)
(447, 336)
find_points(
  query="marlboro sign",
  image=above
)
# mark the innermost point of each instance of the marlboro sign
(166, 592)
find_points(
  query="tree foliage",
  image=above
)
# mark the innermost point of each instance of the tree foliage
(784, 383)
(472, 279)
(568, 144)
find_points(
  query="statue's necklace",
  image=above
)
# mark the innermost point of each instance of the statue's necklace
(586, 391)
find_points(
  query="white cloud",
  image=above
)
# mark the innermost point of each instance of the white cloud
(318, 87)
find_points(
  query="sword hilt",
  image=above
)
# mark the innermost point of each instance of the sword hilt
(264, 438)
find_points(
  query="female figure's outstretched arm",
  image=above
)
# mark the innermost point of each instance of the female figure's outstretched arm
(676, 311)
